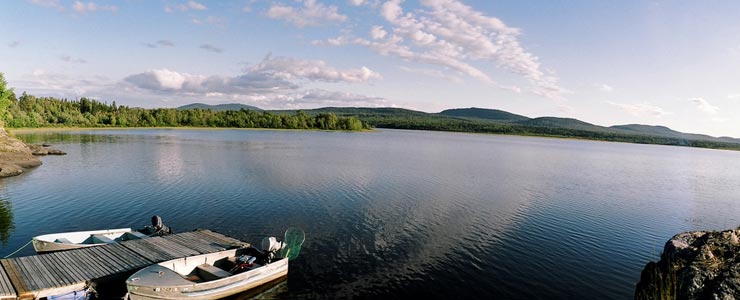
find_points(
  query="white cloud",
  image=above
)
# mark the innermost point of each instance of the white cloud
(733, 96)
(211, 48)
(286, 68)
(277, 81)
(641, 109)
(14, 44)
(310, 14)
(356, 2)
(86, 7)
(450, 34)
(70, 59)
(606, 88)
(190, 5)
(704, 106)
(377, 32)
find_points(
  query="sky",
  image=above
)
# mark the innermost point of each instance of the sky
(670, 63)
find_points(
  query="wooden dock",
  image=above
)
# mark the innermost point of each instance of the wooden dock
(39, 276)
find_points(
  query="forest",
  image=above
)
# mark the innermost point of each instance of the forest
(28, 111)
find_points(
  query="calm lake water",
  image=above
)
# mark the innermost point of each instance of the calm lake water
(391, 214)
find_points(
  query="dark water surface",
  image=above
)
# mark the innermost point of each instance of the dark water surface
(392, 214)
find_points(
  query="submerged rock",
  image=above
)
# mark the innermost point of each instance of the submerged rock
(15, 156)
(45, 150)
(694, 265)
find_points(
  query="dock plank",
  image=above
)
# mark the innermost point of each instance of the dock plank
(80, 257)
(148, 250)
(45, 278)
(56, 278)
(6, 288)
(176, 248)
(195, 241)
(221, 237)
(132, 259)
(63, 259)
(20, 286)
(74, 269)
(27, 274)
(198, 246)
(63, 277)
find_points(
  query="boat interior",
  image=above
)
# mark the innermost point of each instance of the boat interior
(215, 266)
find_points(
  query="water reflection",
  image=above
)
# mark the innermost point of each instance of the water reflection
(6, 220)
(6, 217)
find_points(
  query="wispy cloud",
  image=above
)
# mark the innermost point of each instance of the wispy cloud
(431, 73)
(77, 7)
(14, 44)
(70, 59)
(48, 4)
(605, 88)
(160, 43)
(733, 96)
(450, 34)
(641, 109)
(88, 7)
(186, 6)
(211, 48)
(704, 106)
(213, 20)
(310, 14)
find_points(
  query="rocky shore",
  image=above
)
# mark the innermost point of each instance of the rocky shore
(16, 156)
(694, 265)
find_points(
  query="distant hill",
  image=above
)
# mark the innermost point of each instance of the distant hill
(567, 123)
(219, 107)
(501, 122)
(482, 113)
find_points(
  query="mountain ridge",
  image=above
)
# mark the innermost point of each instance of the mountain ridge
(484, 120)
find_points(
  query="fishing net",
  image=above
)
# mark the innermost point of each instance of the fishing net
(294, 238)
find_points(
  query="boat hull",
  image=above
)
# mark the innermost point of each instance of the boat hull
(48, 242)
(179, 288)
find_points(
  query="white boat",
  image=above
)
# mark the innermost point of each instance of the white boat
(81, 239)
(216, 275)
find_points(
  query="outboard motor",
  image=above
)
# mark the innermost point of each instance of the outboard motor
(158, 228)
(271, 246)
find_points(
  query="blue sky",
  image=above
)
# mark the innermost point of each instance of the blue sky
(673, 63)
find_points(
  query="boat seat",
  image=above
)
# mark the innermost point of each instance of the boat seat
(99, 238)
(63, 241)
(208, 272)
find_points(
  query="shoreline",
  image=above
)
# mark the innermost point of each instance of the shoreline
(16, 156)
(53, 129)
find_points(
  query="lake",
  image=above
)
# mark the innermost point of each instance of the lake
(391, 214)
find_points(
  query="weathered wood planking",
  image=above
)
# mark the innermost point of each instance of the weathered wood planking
(56, 273)
(6, 288)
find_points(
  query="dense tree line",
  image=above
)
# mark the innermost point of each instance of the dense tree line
(31, 111)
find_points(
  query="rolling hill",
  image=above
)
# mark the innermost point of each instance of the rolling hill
(502, 122)
(219, 107)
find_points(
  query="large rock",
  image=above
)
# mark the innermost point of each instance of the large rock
(694, 265)
(15, 156)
